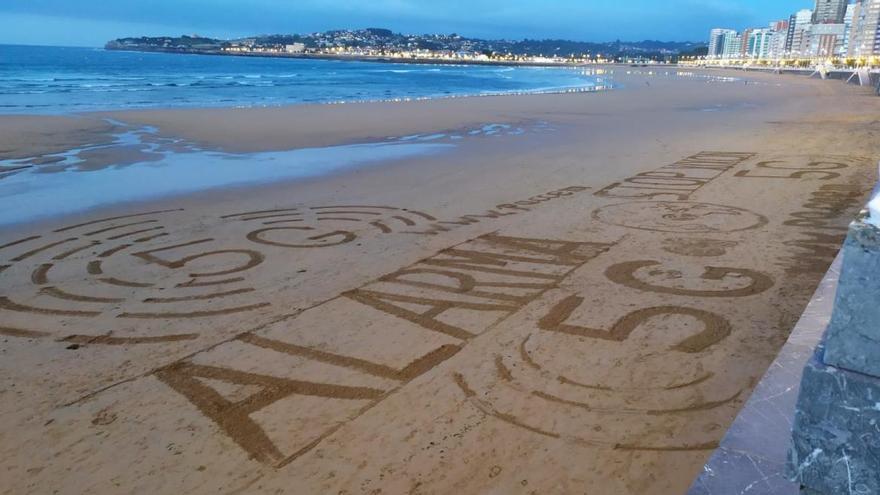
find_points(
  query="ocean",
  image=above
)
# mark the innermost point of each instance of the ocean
(56, 80)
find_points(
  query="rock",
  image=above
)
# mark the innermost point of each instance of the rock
(853, 338)
(836, 435)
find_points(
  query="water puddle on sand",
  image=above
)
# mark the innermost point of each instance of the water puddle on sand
(484, 130)
(140, 165)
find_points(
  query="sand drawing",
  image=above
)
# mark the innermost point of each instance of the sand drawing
(447, 299)
(679, 217)
(806, 169)
(583, 420)
(492, 277)
(482, 281)
(326, 239)
(133, 267)
(679, 180)
(715, 327)
(254, 258)
(697, 247)
(82, 277)
(234, 416)
(444, 302)
(331, 363)
(95, 282)
(819, 233)
(411, 371)
(729, 278)
(326, 226)
(532, 388)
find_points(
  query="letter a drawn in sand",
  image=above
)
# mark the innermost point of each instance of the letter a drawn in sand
(234, 417)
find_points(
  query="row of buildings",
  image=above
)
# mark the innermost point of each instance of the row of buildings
(832, 29)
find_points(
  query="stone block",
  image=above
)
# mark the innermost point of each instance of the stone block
(853, 339)
(836, 435)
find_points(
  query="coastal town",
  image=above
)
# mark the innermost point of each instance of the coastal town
(834, 33)
(383, 44)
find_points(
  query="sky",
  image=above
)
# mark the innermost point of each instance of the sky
(94, 22)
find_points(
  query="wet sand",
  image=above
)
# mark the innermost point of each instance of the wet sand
(582, 310)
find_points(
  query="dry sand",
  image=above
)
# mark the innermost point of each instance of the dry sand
(576, 311)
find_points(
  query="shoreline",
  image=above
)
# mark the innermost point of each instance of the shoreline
(539, 91)
(838, 75)
(24, 140)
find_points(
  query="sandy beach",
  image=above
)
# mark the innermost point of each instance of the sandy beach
(574, 293)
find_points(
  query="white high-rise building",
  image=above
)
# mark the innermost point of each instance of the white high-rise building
(717, 41)
(759, 43)
(800, 35)
(733, 46)
(778, 37)
(847, 27)
(865, 33)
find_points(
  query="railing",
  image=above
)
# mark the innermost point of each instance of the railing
(785, 62)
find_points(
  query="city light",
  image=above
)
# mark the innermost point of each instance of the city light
(834, 34)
